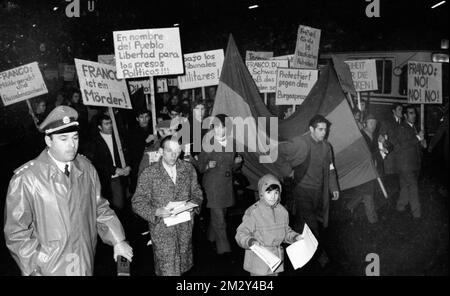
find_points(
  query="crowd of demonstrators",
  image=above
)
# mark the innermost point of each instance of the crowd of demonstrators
(396, 146)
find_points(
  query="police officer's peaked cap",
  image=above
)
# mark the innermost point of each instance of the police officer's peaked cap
(62, 119)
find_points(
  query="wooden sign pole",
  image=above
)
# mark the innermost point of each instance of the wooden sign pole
(153, 104)
(116, 135)
(265, 99)
(203, 93)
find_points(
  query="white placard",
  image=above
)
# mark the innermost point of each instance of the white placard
(161, 85)
(293, 85)
(148, 52)
(364, 74)
(258, 55)
(202, 69)
(135, 85)
(100, 87)
(21, 83)
(307, 48)
(264, 73)
(69, 73)
(424, 83)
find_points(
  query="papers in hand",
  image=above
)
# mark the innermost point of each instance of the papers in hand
(302, 251)
(268, 257)
(180, 212)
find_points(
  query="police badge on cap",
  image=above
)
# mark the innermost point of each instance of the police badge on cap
(62, 119)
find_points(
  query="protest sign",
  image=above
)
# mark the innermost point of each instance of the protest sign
(172, 82)
(100, 86)
(364, 74)
(161, 85)
(293, 85)
(424, 83)
(258, 55)
(51, 74)
(307, 48)
(108, 59)
(148, 52)
(69, 73)
(134, 85)
(264, 73)
(202, 69)
(289, 57)
(21, 83)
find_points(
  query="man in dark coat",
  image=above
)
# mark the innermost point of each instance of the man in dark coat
(409, 156)
(140, 138)
(310, 158)
(104, 154)
(168, 180)
(388, 130)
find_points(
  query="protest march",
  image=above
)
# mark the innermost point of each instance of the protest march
(225, 140)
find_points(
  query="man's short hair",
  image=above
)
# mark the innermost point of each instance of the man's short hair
(316, 119)
(169, 138)
(102, 117)
(394, 106)
(405, 109)
(142, 111)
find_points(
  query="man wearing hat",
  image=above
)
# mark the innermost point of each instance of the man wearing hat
(54, 208)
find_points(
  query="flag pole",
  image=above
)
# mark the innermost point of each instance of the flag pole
(382, 187)
(350, 100)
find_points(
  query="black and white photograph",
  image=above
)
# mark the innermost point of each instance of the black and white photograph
(224, 140)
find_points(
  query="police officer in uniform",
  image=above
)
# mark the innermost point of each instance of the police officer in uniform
(54, 209)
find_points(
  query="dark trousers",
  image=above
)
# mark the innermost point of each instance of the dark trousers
(409, 192)
(307, 208)
(217, 230)
(117, 194)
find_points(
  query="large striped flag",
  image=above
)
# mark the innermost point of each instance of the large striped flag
(237, 96)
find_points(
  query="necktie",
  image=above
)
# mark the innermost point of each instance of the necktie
(66, 170)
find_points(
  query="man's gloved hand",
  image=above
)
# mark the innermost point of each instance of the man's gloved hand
(123, 249)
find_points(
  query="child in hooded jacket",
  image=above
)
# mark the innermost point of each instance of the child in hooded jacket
(265, 223)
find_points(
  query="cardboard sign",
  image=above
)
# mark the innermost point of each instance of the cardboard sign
(264, 73)
(108, 59)
(50, 74)
(148, 52)
(21, 83)
(172, 82)
(307, 48)
(135, 85)
(161, 85)
(69, 73)
(289, 57)
(364, 74)
(258, 55)
(424, 83)
(344, 75)
(293, 85)
(202, 69)
(100, 86)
